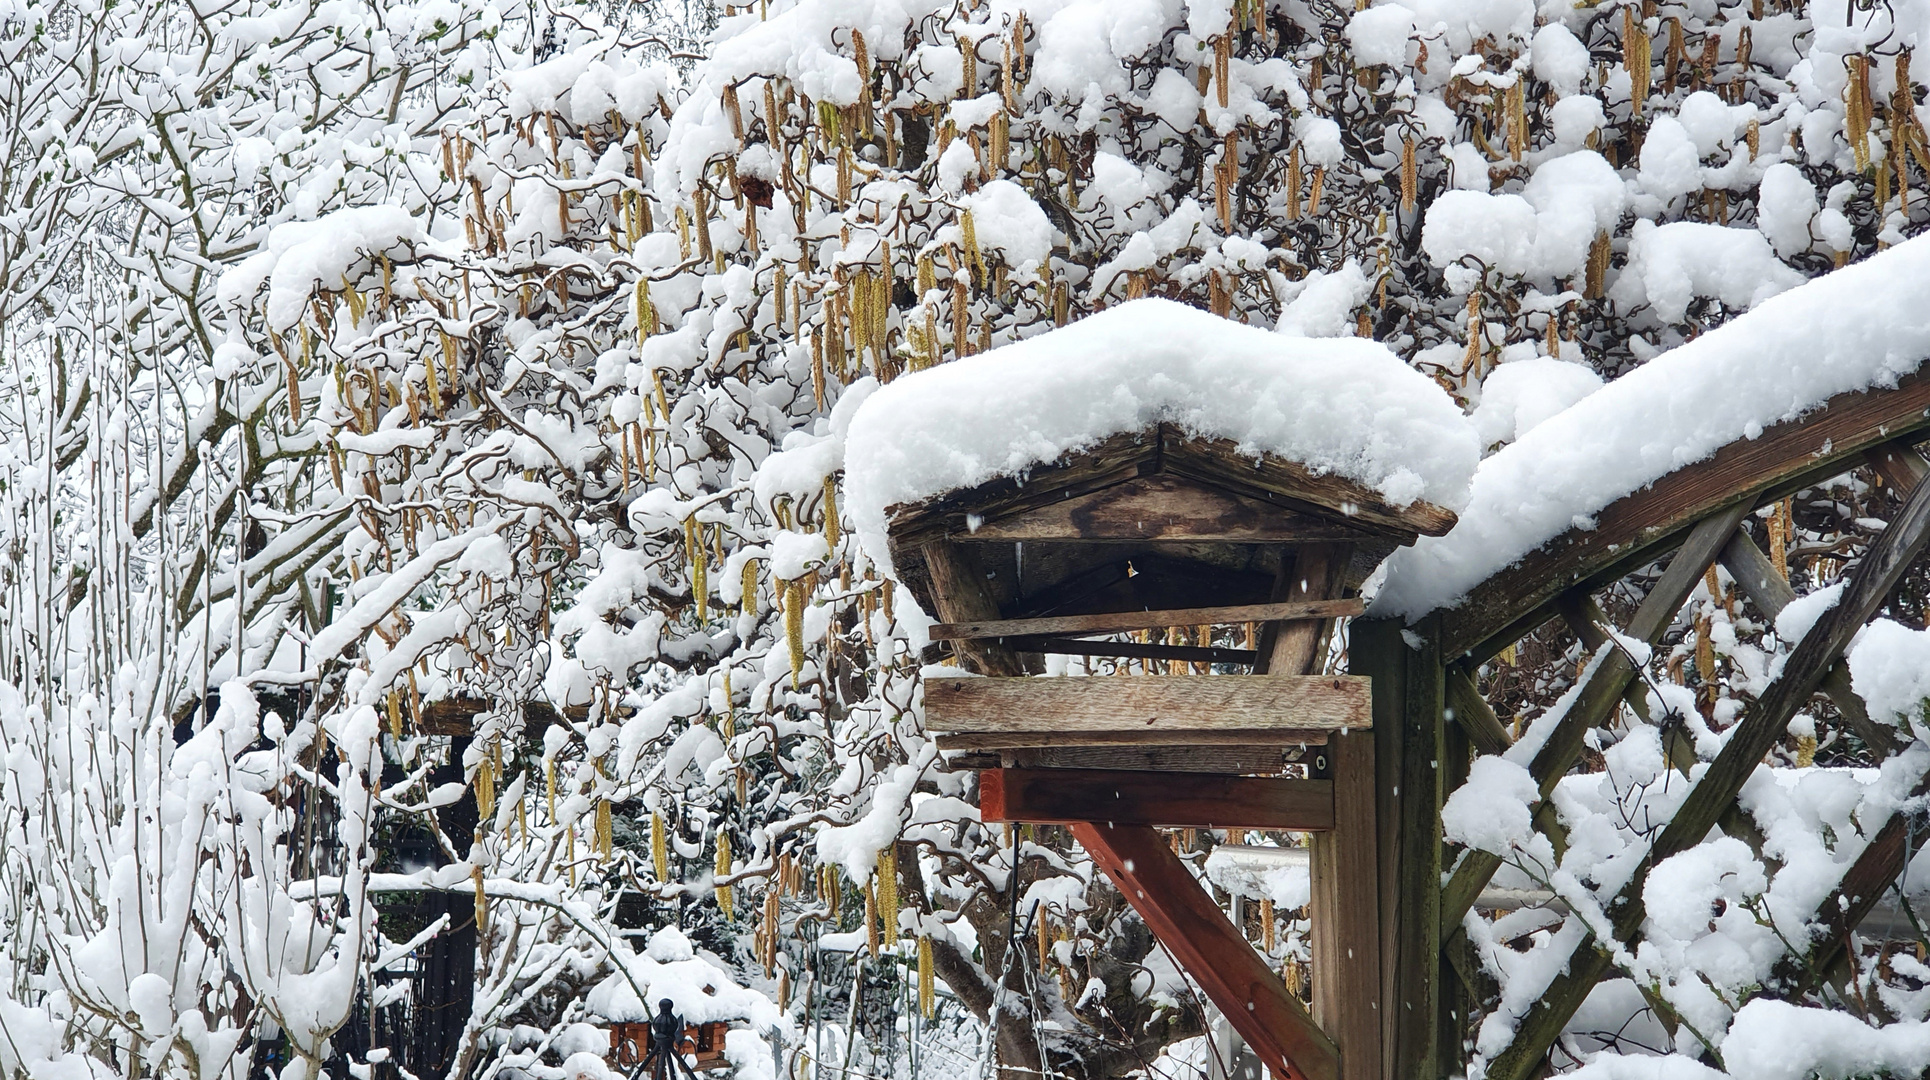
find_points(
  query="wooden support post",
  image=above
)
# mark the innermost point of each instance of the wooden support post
(1378, 650)
(1187, 921)
(1417, 885)
(1174, 800)
(1345, 911)
(1345, 903)
(958, 588)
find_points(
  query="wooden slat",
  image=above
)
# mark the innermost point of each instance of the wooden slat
(1119, 622)
(1416, 991)
(1135, 650)
(1630, 531)
(1147, 704)
(1770, 593)
(1762, 726)
(1239, 760)
(1166, 508)
(1314, 575)
(1604, 689)
(1188, 800)
(1873, 874)
(1187, 921)
(1032, 740)
(1473, 713)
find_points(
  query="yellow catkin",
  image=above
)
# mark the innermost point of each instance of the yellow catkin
(1805, 751)
(794, 627)
(660, 847)
(1471, 363)
(486, 789)
(1635, 57)
(699, 570)
(888, 891)
(975, 258)
(831, 533)
(1410, 177)
(1293, 182)
(927, 989)
(646, 312)
(1705, 650)
(605, 829)
(1267, 939)
(1856, 109)
(1779, 541)
(748, 601)
(482, 902)
(1517, 121)
(725, 899)
(395, 715)
(769, 952)
(1597, 273)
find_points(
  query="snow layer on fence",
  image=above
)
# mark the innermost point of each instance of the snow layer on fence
(1341, 406)
(1860, 327)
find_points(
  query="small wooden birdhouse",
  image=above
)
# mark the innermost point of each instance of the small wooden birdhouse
(1207, 559)
(1198, 502)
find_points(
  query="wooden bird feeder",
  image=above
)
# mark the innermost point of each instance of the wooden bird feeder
(1144, 533)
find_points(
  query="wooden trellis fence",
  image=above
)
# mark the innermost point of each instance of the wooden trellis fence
(1428, 709)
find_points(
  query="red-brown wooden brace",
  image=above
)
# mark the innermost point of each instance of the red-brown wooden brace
(1184, 918)
(1172, 799)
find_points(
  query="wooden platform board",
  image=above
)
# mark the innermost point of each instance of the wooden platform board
(1144, 710)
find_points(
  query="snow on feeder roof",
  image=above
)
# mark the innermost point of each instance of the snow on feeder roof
(1272, 439)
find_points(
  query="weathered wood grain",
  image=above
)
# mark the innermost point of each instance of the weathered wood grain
(1134, 650)
(1146, 704)
(1162, 507)
(1118, 622)
(1174, 800)
(1243, 759)
(959, 592)
(1238, 737)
